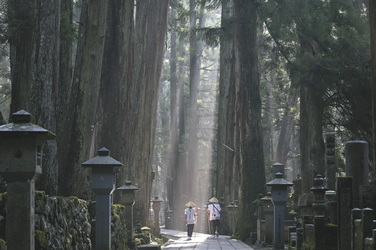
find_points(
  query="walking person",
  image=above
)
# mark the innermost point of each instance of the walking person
(214, 212)
(190, 218)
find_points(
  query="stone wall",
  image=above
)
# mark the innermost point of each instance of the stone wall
(68, 223)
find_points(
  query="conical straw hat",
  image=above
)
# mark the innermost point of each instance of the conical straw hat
(190, 204)
(214, 200)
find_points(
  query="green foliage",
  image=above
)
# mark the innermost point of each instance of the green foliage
(68, 29)
(210, 36)
(19, 19)
(337, 33)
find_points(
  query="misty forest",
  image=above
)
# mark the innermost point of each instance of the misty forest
(196, 98)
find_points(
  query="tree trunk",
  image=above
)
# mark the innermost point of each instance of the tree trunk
(194, 81)
(372, 17)
(312, 146)
(172, 164)
(65, 78)
(179, 174)
(21, 23)
(150, 33)
(34, 58)
(268, 123)
(251, 165)
(115, 89)
(44, 88)
(226, 152)
(287, 128)
(84, 97)
(311, 141)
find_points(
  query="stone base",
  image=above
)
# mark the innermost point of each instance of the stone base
(149, 247)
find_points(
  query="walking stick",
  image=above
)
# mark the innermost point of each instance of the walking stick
(196, 221)
(208, 215)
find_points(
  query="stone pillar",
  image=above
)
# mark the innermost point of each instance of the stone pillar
(169, 219)
(279, 198)
(331, 203)
(269, 219)
(367, 222)
(318, 191)
(21, 165)
(357, 166)
(319, 222)
(330, 159)
(299, 238)
(292, 237)
(333, 212)
(356, 215)
(127, 198)
(157, 207)
(260, 220)
(230, 208)
(344, 196)
(368, 196)
(103, 185)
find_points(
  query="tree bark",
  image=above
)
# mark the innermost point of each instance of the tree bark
(34, 58)
(226, 151)
(44, 87)
(115, 87)
(372, 18)
(65, 79)
(195, 53)
(179, 174)
(150, 33)
(173, 155)
(312, 148)
(21, 23)
(84, 98)
(287, 128)
(251, 165)
(268, 122)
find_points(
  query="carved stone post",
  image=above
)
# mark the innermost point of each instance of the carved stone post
(21, 165)
(103, 185)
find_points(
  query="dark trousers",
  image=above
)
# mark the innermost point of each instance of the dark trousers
(214, 226)
(190, 229)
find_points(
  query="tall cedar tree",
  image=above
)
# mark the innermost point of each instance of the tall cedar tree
(149, 42)
(372, 19)
(251, 164)
(114, 94)
(34, 59)
(65, 77)
(84, 98)
(172, 159)
(227, 146)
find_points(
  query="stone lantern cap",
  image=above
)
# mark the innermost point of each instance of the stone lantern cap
(156, 199)
(268, 197)
(318, 183)
(103, 159)
(279, 181)
(128, 187)
(22, 126)
(232, 205)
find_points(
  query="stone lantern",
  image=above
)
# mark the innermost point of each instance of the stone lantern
(279, 198)
(156, 207)
(269, 212)
(318, 191)
(231, 216)
(127, 198)
(278, 167)
(21, 165)
(103, 185)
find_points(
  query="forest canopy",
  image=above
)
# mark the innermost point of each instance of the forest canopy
(197, 98)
